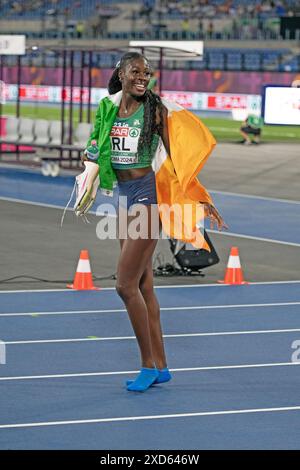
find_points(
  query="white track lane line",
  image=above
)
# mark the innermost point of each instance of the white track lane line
(251, 237)
(214, 191)
(149, 417)
(250, 196)
(176, 286)
(230, 234)
(180, 335)
(129, 372)
(193, 307)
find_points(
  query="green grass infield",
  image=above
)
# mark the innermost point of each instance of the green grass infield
(223, 129)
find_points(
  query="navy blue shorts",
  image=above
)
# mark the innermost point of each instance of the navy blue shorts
(138, 191)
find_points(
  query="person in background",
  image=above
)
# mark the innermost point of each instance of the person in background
(80, 28)
(251, 127)
(210, 30)
(185, 28)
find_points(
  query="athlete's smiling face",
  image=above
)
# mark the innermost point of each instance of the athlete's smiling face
(135, 77)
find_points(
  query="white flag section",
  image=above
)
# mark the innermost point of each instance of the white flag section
(13, 44)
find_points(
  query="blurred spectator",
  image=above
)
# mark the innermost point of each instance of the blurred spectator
(104, 13)
(210, 30)
(66, 18)
(17, 7)
(94, 25)
(240, 20)
(200, 29)
(71, 29)
(146, 9)
(80, 27)
(134, 17)
(235, 28)
(252, 126)
(280, 9)
(103, 25)
(185, 26)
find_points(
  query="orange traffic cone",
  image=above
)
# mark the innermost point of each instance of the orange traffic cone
(83, 278)
(234, 273)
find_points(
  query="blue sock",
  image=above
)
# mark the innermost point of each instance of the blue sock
(144, 380)
(163, 376)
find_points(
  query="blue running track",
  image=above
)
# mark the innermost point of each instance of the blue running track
(230, 349)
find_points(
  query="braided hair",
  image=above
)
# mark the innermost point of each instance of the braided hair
(151, 102)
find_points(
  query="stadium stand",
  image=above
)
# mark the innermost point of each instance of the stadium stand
(216, 19)
(221, 58)
(228, 28)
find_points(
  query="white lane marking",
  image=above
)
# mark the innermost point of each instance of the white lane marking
(250, 237)
(150, 417)
(230, 234)
(225, 193)
(44, 204)
(179, 335)
(128, 372)
(193, 307)
(36, 290)
(67, 312)
(172, 286)
(250, 196)
(33, 203)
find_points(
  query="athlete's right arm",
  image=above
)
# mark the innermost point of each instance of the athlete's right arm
(95, 133)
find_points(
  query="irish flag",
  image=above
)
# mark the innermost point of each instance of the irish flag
(179, 191)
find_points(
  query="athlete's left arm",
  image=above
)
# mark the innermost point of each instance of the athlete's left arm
(214, 216)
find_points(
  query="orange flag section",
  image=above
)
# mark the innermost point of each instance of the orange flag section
(179, 214)
(191, 143)
(179, 192)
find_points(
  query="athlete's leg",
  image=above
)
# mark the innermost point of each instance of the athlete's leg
(147, 290)
(134, 257)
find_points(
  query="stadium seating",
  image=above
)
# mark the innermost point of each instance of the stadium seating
(159, 20)
(221, 58)
(44, 134)
(234, 60)
(42, 139)
(215, 60)
(12, 129)
(41, 132)
(82, 133)
(55, 132)
(149, 17)
(291, 64)
(26, 135)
